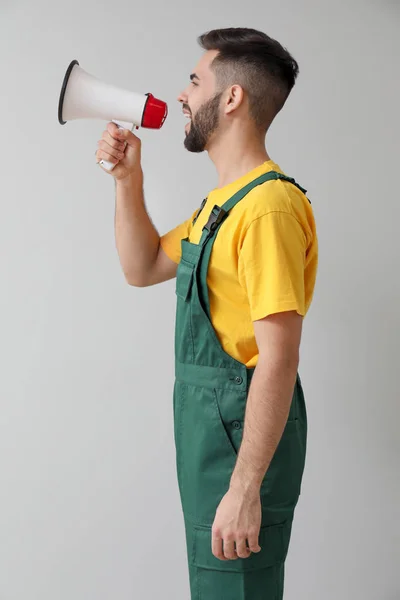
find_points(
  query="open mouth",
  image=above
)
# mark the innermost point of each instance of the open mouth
(187, 114)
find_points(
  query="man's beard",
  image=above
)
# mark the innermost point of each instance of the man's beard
(203, 125)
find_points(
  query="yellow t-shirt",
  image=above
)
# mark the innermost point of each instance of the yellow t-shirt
(263, 261)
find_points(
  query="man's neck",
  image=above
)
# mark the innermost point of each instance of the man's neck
(235, 155)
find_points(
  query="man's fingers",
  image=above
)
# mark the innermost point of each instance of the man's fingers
(113, 130)
(101, 155)
(229, 550)
(117, 144)
(127, 136)
(253, 541)
(241, 549)
(107, 149)
(216, 547)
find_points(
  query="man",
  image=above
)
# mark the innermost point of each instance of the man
(245, 264)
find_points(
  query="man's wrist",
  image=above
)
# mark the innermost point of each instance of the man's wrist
(133, 180)
(246, 479)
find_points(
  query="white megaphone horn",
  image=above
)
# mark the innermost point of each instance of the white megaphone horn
(84, 96)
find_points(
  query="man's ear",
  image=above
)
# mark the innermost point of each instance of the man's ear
(234, 99)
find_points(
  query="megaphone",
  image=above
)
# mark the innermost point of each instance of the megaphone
(84, 96)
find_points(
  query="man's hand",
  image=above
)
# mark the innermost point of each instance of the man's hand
(122, 148)
(238, 518)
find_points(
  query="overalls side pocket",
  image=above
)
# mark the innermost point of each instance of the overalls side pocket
(273, 539)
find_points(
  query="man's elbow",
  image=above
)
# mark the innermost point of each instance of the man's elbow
(292, 363)
(136, 281)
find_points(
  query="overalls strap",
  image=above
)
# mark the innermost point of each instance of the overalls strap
(218, 214)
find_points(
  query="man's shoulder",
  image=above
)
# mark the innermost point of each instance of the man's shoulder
(276, 195)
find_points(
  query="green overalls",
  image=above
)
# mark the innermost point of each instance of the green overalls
(210, 394)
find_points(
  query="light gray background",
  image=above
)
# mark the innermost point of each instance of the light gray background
(89, 499)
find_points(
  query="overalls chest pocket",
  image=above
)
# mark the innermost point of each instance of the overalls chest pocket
(184, 280)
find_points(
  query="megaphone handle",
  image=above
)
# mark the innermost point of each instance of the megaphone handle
(121, 125)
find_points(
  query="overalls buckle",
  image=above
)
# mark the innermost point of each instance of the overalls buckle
(215, 218)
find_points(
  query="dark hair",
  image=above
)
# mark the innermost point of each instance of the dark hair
(256, 62)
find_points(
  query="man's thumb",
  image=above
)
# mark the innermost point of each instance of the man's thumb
(127, 136)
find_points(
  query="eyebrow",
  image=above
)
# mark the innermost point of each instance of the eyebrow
(194, 76)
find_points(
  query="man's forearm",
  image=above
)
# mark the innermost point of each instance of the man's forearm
(267, 410)
(136, 238)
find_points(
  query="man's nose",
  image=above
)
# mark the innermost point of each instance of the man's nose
(182, 97)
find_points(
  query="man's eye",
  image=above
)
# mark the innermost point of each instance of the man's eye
(193, 83)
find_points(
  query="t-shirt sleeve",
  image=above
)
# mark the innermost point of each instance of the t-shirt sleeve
(272, 264)
(171, 241)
